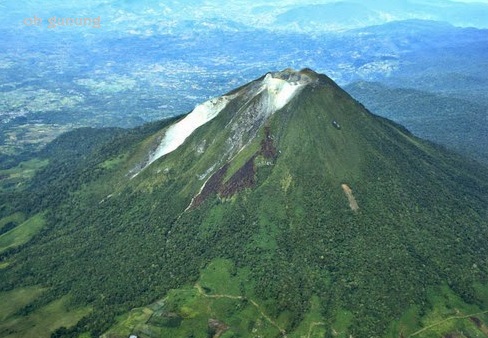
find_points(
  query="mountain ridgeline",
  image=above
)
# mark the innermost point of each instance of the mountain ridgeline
(283, 208)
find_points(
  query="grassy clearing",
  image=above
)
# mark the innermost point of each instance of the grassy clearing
(13, 177)
(113, 162)
(17, 218)
(128, 322)
(42, 322)
(22, 233)
(407, 324)
(9, 222)
(450, 316)
(341, 324)
(16, 299)
(25, 169)
(217, 278)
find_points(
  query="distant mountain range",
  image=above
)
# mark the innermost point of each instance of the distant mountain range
(343, 15)
(130, 17)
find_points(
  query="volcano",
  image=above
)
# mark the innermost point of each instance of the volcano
(282, 208)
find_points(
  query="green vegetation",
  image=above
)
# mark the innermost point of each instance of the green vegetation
(283, 252)
(442, 118)
(13, 301)
(10, 222)
(22, 233)
(313, 324)
(216, 303)
(448, 315)
(112, 163)
(56, 315)
(14, 178)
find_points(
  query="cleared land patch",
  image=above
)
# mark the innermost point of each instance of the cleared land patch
(353, 204)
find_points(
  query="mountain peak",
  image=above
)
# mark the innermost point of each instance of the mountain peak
(258, 100)
(292, 76)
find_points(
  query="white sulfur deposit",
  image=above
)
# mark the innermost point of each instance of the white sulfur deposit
(177, 133)
(280, 91)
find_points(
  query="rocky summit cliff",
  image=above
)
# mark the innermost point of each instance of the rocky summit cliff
(282, 208)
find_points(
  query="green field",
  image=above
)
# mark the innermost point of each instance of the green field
(9, 222)
(218, 302)
(14, 300)
(39, 323)
(450, 314)
(22, 233)
(17, 176)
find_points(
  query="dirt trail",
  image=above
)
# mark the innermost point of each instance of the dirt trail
(312, 325)
(256, 305)
(352, 201)
(446, 320)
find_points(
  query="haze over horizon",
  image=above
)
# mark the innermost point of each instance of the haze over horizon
(163, 58)
(153, 17)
